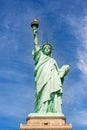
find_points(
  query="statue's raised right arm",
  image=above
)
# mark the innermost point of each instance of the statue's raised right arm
(35, 26)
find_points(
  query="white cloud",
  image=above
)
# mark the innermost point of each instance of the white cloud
(82, 52)
(80, 32)
(79, 117)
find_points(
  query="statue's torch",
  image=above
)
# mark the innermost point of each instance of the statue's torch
(34, 25)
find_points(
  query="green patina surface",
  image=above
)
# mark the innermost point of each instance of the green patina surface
(48, 79)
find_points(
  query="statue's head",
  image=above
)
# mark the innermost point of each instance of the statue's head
(47, 49)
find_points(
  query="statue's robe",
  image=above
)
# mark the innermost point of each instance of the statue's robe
(48, 79)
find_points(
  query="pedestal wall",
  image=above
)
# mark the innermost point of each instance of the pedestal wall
(46, 123)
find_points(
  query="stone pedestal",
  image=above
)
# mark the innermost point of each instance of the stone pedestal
(46, 123)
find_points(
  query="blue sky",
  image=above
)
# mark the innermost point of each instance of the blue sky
(64, 24)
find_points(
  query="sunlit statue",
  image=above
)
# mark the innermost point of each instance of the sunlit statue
(48, 77)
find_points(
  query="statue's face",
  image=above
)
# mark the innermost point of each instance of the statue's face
(47, 50)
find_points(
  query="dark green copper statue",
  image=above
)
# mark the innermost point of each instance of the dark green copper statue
(48, 78)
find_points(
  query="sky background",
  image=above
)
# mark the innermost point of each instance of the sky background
(62, 23)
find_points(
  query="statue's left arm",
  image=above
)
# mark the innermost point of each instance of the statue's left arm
(64, 70)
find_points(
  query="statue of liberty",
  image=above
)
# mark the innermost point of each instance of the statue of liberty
(48, 77)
